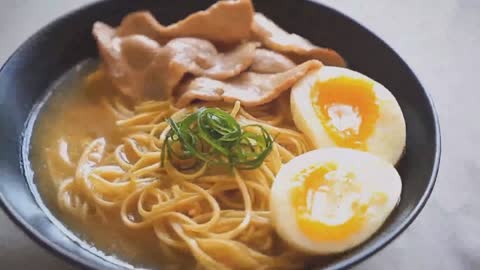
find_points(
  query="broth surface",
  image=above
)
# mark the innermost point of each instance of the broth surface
(70, 119)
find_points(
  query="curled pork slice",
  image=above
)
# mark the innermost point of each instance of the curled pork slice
(202, 59)
(140, 67)
(224, 22)
(250, 88)
(267, 61)
(277, 39)
(128, 60)
(132, 61)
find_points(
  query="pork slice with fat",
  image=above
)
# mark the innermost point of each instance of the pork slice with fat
(277, 39)
(250, 88)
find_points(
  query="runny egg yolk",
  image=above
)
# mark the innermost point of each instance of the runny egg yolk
(347, 109)
(328, 203)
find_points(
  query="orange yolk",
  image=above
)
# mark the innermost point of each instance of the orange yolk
(348, 110)
(318, 199)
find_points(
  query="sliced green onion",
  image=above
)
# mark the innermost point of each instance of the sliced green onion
(213, 136)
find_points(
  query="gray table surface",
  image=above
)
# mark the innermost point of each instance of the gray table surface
(440, 39)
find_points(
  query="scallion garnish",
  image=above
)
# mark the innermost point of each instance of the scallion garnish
(212, 136)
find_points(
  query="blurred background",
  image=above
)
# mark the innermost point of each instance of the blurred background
(440, 40)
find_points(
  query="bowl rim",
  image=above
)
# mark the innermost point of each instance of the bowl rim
(357, 258)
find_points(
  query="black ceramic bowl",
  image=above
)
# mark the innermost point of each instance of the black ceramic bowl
(57, 47)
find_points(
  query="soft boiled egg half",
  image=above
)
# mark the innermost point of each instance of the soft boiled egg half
(336, 106)
(332, 199)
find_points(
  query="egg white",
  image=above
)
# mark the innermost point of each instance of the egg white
(389, 136)
(371, 173)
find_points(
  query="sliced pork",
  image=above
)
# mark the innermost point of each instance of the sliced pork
(267, 61)
(140, 67)
(277, 39)
(224, 22)
(250, 88)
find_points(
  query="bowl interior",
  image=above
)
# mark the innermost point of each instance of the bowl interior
(68, 40)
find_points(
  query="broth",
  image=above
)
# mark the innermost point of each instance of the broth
(71, 117)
